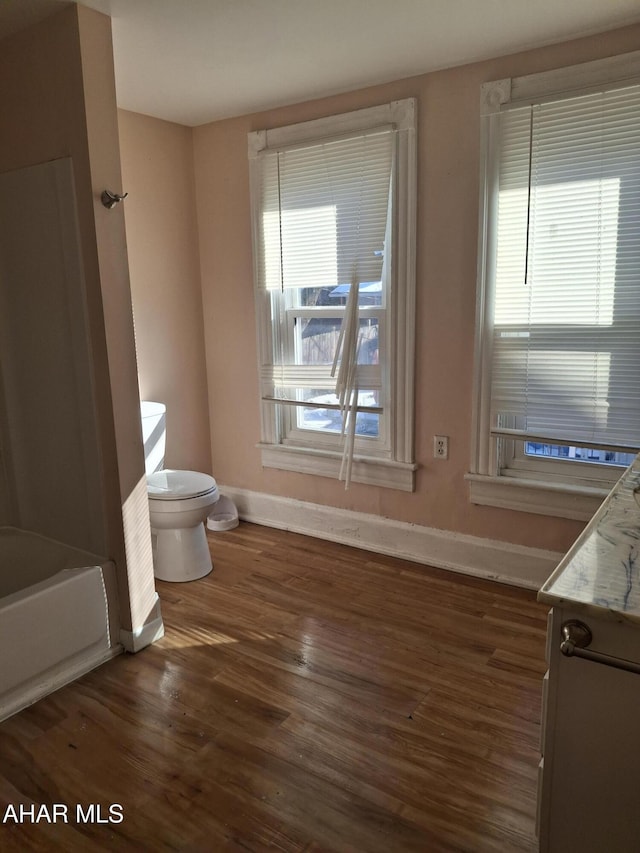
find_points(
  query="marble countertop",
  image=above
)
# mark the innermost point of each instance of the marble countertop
(600, 574)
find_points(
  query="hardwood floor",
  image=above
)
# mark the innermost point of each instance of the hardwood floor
(306, 696)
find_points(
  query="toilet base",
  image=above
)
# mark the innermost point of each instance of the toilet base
(180, 555)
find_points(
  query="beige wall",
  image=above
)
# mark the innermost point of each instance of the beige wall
(160, 216)
(448, 141)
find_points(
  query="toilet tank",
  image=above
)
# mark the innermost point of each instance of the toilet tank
(154, 434)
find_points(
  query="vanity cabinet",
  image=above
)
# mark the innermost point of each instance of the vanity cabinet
(589, 783)
(589, 773)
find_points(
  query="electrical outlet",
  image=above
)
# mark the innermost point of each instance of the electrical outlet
(441, 446)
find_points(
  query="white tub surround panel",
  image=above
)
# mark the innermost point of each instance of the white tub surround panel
(58, 616)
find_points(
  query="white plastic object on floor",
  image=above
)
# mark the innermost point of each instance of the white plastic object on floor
(224, 515)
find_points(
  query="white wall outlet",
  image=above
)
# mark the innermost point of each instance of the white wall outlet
(441, 446)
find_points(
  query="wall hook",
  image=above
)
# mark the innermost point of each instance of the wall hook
(110, 199)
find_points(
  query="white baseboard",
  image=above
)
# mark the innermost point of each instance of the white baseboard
(141, 637)
(485, 558)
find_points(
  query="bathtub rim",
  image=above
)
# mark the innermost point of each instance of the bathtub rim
(88, 557)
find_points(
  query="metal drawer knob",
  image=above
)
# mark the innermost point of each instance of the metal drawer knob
(575, 635)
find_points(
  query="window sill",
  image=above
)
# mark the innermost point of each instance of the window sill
(323, 463)
(541, 498)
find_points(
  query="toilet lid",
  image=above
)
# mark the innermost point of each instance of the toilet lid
(178, 485)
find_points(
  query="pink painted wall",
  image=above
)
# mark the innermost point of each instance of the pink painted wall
(116, 375)
(448, 141)
(162, 238)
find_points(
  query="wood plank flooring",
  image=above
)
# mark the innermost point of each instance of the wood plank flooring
(307, 696)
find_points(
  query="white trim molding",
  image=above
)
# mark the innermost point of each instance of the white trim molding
(493, 95)
(325, 463)
(471, 555)
(560, 500)
(581, 78)
(142, 636)
(401, 114)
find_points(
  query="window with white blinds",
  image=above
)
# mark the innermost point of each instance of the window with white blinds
(324, 231)
(333, 234)
(325, 209)
(565, 294)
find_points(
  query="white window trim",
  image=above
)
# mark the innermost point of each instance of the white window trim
(577, 497)
(536, 496)
(397, 472)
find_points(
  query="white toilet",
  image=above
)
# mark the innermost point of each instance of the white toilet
(179, 503)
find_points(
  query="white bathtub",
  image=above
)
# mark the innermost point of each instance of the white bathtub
(55, 620)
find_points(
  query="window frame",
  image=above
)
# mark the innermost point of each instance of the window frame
(500, 474)
(389, 460)
(371, 377)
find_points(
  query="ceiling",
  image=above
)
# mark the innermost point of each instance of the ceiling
(194, 61)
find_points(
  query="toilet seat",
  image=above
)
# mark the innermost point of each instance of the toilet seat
(172, 485)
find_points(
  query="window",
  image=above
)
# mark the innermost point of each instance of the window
(558, 354)
(334, 242)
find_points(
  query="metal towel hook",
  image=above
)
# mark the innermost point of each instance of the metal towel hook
(110, 199)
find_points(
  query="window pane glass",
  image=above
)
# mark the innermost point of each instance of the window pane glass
(370, 293)
(579, 454)
(330, 420)
(317, 338)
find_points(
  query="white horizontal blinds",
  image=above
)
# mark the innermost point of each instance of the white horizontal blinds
(325, 211)
(566, 353)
